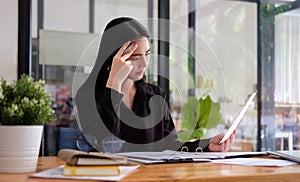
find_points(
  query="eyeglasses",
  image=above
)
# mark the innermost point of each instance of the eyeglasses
(83, 144)
(112, 144)
(87, 143)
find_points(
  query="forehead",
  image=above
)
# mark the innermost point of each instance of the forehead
(143, 44)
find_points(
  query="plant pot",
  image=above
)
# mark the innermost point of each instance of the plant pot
(19, 148)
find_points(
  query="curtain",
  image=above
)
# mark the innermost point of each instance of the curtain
(287, 58)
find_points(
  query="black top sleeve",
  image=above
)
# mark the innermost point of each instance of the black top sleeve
(109, 107)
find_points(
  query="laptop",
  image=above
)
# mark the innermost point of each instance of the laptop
(238, 119)
(292, 155)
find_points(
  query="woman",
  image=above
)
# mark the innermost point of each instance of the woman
(130, 108)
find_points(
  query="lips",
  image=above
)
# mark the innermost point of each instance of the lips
(140, 72)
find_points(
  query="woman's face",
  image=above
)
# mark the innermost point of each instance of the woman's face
(139, 59)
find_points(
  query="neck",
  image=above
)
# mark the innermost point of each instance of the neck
(127, 85)
(129, 90)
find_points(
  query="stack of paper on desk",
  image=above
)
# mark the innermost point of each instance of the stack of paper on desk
(255, 162)
(58, 173)
(169, 156)
(89, 165)
(79, 163)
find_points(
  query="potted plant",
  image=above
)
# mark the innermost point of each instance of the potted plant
(24, 105)
(198, 115)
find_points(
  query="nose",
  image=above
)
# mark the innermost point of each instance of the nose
(144, 61)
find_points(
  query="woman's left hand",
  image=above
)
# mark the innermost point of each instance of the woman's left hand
(214, 145)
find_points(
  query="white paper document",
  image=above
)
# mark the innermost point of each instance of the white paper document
(238, 119)
(169, 156)
(255, 162)
(59, 173)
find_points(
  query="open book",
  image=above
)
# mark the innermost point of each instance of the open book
(76, 157)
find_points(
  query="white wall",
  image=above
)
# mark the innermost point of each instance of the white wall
(9, 39)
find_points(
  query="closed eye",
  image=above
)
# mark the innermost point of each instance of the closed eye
(134, 58)
(148, 52)
(137, 56)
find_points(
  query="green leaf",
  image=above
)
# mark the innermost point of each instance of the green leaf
(210, 115)
(198, 133)
(190, 114)
(204, 111)
(184, 135)
(198, 115)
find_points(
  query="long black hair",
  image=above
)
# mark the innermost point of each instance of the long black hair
(117, 32)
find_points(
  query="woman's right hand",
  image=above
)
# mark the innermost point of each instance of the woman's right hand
(120, 68)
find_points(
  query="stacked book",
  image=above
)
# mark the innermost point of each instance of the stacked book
(79, 163)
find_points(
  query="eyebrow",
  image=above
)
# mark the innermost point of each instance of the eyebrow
(141, 54)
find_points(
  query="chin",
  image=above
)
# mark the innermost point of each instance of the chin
(135, 78)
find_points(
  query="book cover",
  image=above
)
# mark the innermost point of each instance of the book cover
(91, 170)
(76, 157)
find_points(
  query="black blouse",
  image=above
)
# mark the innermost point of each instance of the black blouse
(148, 126)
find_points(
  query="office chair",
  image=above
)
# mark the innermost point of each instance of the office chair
(70, 138)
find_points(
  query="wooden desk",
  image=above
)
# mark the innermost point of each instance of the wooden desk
(180, 172)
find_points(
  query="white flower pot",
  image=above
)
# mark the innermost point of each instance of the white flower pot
(19, 148)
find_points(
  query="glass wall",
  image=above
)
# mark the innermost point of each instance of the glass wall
(228, 62)
(216, 57)
(280, 79)
(224, 62)
(287, 79)
(65, 49)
